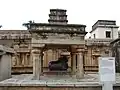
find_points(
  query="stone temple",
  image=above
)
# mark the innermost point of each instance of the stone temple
(56, 55)
(57, 35)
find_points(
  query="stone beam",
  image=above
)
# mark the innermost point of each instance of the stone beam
(6, 49)
(58, 41)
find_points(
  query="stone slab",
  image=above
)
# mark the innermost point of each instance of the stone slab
(33, 83)
(6, 49)
(58, 41)
(89, 80)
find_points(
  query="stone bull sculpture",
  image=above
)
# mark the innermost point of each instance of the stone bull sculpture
(60, 64)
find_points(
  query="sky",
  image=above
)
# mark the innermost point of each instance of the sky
(13, 13)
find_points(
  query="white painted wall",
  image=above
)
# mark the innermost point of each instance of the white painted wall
(94, 32)
(100, 33)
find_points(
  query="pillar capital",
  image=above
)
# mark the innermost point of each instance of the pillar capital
(79, 50)
(36, 51)
(74, 53)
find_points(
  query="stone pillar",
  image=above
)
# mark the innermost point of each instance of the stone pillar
(23, 59)
(19, 59)
(80, 69)
(27, 59)
(37, 63)
(31, 60)
(54, 54)
(74, 63)
(14, 61)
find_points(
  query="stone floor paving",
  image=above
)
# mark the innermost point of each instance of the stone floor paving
(27, 80)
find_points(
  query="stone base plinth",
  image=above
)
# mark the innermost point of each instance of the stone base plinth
(26, 82)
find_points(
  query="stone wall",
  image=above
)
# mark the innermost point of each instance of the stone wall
(94, 48)
(50, 88)
(53, 88)
(5, 67)
(92, 54)
(22, 61)
(5, 62)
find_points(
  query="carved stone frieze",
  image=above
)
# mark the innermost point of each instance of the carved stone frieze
(60, 28)
(35, 36)
(57, 36)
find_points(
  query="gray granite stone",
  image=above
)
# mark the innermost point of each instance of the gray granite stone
(33, 83)
(26, 80)
(81, 84)
(60, 83)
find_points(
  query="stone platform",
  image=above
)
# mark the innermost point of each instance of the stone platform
(55, 81)
(51, 82)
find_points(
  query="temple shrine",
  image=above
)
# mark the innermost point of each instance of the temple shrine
(59, 37)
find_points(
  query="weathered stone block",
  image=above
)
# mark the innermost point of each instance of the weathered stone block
(5, 62)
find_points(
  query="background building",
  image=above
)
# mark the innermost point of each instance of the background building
(104, 29)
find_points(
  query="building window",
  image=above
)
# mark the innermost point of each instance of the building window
(108, 34)
(94, 35)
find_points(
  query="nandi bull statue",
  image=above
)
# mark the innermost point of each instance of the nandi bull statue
(60, 64)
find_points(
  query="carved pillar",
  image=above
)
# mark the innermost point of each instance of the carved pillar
(14, 61)
(19, 59)
(42, 55)
(23, 59)
(54, 54)
(74, 63)
(37, 63)
(80, 69)
(26, 59)
(31, 60)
